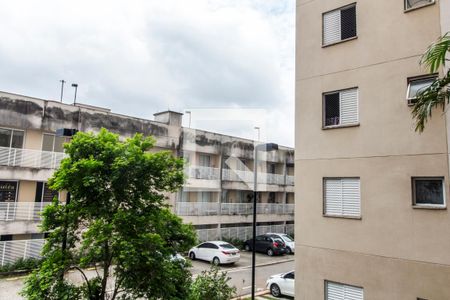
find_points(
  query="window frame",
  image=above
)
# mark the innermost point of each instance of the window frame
(325, 287)
(406, 9)
(409, 80)
(16, 199)
(12, 135)
(428, 206)
(324, 214)
(344, 40)
(325, 127)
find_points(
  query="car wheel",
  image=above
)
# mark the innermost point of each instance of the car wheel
(275, 290)
(216, 261)
(247, 247)
(192, 255)
(270, 252)
(288, 250)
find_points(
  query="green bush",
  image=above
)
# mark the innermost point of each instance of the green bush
(21, 264)
(212, 284)
(235, 242)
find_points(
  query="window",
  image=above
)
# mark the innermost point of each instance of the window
(342, 197)
(53, 143)
(428, 191)
(204, 197)
(205, 160)
(8, 191)
(11, 138)
(412, 4)
(341, 108)
(44, 193)
(339, 291)
(416, 85)
(289, 275)
(339, 25)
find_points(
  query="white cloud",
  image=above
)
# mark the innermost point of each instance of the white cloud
(139, 57)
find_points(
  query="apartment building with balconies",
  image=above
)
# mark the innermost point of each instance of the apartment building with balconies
(216, 198)
(373, 222)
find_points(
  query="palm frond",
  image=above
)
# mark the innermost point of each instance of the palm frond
(434, 57)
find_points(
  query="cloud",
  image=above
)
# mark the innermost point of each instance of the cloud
(140, 57)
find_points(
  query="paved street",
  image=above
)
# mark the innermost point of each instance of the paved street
(240, 274)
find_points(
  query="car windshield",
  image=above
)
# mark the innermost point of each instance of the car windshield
(227, 246)
(287, 238)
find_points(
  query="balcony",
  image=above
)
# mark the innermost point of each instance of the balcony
(27, 158)
(213, 208)
(289, 180)
(237, 175)
(202, 178)
(10, 251)
(197, 172)
(21, 211)
(241, 233)
(263, 178)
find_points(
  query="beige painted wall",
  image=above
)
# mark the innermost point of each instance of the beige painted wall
(27, 191)
(33, 139)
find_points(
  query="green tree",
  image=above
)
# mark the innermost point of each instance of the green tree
(438, 94)
(212, 284)
(117, 221)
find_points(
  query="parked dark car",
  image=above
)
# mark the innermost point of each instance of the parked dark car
(266, 244)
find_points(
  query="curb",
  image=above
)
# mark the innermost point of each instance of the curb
(249, 295)
(261, 265)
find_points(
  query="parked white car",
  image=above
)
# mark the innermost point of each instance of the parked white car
(288, 240)
(281, 284)
(217, 252)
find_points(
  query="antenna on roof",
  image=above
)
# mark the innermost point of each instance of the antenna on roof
(62, 88)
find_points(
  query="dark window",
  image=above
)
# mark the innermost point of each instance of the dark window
(8, 191)
(289, 275)
(11, 138)
(260, 238)
(44, 193)
(227, 246)
(428, 191)
(409, 4)
(332, 109)
(6, 237)
(204, 245)
(348, 22)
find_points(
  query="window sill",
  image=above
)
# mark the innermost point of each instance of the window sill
(339, 126)
(407, 10)
(432, 207)
(340, 42)
(342, 217)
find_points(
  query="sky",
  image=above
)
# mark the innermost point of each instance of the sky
(229, 62)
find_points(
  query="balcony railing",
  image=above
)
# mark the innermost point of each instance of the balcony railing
(214, 208)
(290, 229)
(21, 211)
(240, 232)
(263, 178)
(15, 157)
(198, 172)
(10, 251)
(197, 208)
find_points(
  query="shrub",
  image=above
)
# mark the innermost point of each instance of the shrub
(212, 284)
(26, 264)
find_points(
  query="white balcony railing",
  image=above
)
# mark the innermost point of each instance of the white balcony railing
(269, 178)
(247, 177)
(11, 251)
(240, 232)
(289, 180)
(21, 211)
(197, 208)
(198, 172)
(14, 157)
(215, 208)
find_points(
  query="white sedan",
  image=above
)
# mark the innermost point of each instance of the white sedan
(281, 284)
(217, 252)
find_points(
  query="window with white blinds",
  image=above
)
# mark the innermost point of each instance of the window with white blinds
(342, 197)
(341, 108)
(338, 291)
(339, 25)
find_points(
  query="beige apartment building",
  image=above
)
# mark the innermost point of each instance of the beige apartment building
(373, 221)
(216, 197)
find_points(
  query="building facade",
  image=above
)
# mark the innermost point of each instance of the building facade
(216, 198)
(373, 222)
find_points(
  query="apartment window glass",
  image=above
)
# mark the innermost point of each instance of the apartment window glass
(341, 108)
(205, 196)
(339, 25)
(11, 138)
(53, 143)
(416, 85)
(339, 291)
(8, 191)
(342, 197)
(410, 4)
(44, 193)
(205, 160)
(428, 191)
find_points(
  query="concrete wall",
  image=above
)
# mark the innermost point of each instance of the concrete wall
(394, 251)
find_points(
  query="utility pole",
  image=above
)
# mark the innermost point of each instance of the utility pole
(62, 88)
(75, 85)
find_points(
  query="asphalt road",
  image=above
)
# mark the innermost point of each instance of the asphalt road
(240, 274)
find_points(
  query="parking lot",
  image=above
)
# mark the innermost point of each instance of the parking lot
(240, 272)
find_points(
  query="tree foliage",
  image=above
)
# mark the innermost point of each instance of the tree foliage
(212, 284)
(117, 221)
(438, 94)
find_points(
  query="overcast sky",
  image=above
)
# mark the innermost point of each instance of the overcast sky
(141, 57)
